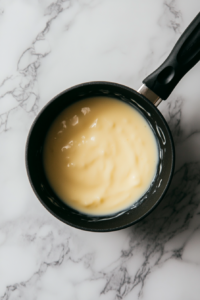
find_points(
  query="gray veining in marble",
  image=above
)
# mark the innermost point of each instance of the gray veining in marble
(46, 47)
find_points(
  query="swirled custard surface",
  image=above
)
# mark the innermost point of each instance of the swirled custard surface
(100, 155)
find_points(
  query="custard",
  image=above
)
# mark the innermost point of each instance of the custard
(100, 156)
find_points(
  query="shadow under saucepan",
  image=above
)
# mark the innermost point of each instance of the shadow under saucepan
(180, 205)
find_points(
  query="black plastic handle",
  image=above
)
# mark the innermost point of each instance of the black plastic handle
(184, 55)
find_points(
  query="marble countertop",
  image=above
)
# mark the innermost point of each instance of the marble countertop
(46, 47)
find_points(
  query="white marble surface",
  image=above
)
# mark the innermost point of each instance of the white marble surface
(45, 47)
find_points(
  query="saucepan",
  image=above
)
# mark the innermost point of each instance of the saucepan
(156, 87)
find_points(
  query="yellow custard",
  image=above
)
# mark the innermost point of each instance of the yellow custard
(100, 155)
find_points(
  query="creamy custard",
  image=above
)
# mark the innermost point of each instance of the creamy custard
(100, 155)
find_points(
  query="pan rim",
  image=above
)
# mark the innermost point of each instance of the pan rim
(113, 84)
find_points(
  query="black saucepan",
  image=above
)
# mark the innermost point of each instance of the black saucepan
(157, 86)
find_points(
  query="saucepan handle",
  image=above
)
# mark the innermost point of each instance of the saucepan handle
(184, 55)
